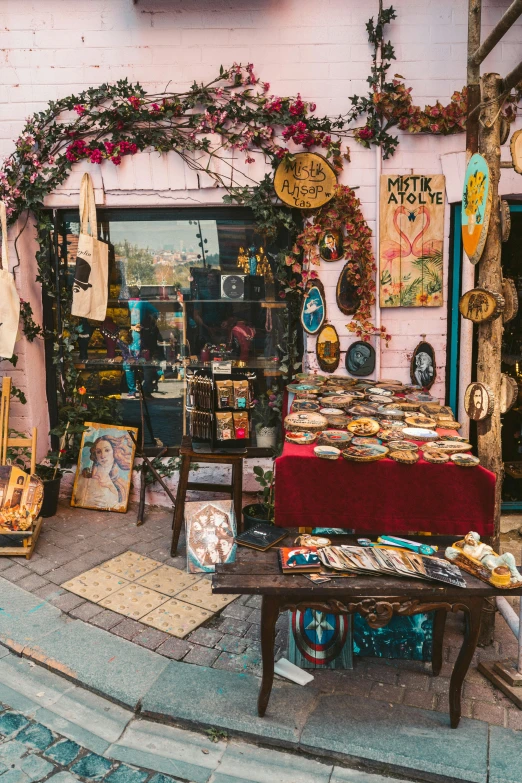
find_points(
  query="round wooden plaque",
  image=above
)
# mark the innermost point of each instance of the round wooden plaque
(478, 401)
(515, 147)
(420, 420)
(402, 445)
(476, 202)
(479, 305)
(510, 294)
(508, 392)
(406, 457)
(390, 434)
(305, 422)
(328, 348)
(305, 181)
(300, 438)
(363, 427)
(369, 453)
(327, 452)
(347, 298)
(465, 460)
(453, 447)
(436, 456)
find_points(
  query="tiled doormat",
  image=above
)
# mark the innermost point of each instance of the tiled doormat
(146, 590)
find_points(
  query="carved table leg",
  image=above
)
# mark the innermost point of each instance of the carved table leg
(439, 623)
(471, 634)
(269, 615)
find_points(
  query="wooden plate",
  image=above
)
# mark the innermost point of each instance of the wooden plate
(465, 460)
(419, 433)
(436, 456)
(406, 457)
(327, 452)
(453, 447)
(480, 305)
(305, 422)
(420, 420)
(370, 453)
(300, 438)
(402, 445)
(339, 438)
(363, 427)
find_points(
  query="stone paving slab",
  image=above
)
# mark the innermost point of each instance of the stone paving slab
(24, 617)
(341, 775)
(401, 737)
(505, 755)
(244, 762)
(100, 661)
(200, 695)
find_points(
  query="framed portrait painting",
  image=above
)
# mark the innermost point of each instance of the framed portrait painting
(104, 472)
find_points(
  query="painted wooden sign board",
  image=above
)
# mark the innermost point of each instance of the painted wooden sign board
(307, 181)
(476, 207)
(411, 241)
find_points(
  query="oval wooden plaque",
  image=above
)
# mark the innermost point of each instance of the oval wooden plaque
(505, 220)
(479, 401)
(423, 369)
(305, 181)
(476, 202)
(331, 245)
(510, 294)
(515, 147)
(360, 359)
(347, 298)
(313, 309)
(328, 348)
(480, 305)
(508, 392)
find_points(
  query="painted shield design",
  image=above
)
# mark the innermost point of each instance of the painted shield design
(319, 637)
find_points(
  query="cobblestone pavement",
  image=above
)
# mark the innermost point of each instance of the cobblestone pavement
(76, 540)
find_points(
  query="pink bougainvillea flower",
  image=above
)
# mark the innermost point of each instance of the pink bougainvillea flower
(79, 109)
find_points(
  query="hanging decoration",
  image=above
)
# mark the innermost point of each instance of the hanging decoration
(360, 359)
(328, 348)
(479, 401)
(423, 368)
(331, 246)
(411, 240)
(347, 298)
(305, 180)
(479, 305)
(476, 202)
(515, 147)
(313, 309)
(508, 392)
(510, 294)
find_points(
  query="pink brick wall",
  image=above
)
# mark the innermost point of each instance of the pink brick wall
(51, 48)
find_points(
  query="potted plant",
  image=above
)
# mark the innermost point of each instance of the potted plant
(266, 416)
(263, 511)
(51, 474)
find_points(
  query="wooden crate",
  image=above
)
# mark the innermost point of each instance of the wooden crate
(26, 548)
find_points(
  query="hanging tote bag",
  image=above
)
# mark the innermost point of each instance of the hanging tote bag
(9, 299)
(92, 261)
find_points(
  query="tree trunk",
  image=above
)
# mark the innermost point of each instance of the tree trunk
(490, 334)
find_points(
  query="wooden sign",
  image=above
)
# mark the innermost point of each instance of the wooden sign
(479, 401)
(476, 207)
(515, 147)
(423, 368)
(411, 240)
(313, 309)
(479, 305)
(510, 294)
(508, 392)
(307, 181)
(328, 348)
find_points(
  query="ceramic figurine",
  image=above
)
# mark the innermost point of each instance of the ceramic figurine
(252, 260)
(475, 549)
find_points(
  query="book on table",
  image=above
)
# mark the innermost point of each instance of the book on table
(299, 560)
(261, 536)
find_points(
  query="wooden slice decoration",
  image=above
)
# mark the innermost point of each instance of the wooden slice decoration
(390, 412)
(420, 420)
(363, 427)
(452, 446)
(360, 359)
(436, 456)
(305, 422)
(515, 147)
(363, 409)
(392, 424)
(423, 369)
(408, 407)
(339, 400)
(479, 305)
(328, 348)
(300, 438)
(448, 424)
(304, 405)
(305, 181)
(313, 309)
(479, 401)
(402, 445)
(510, 294)
(347, 298)
(406, 457)
(430, 409)
(331, 245)
(508, 392)
(465, 460)
(358, 440)
(338, 438)
(369, 453)
(419, 433)
(476, 203)
(505, 220)
(327, 452)
(504, 130)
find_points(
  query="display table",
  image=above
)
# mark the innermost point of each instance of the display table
(383, 496)
(376, 598)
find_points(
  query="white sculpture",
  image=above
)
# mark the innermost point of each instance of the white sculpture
(474, 547)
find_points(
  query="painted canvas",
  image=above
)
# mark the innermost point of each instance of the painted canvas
(410, 638)
(318, 640)
(210, 529)
(104, 472)
(21, 498)
(411, 240)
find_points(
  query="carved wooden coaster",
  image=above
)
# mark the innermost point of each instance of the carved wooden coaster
(480, 305)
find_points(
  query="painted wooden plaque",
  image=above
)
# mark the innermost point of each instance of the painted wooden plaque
(476, 207)
(479, 401)
(305, 181)
(313, 310)
(508, 392)
(360, 359)
(328, 348)
(411, 240)
(480, 305)
(510, 294)
(348, 300)
(515, 147)
(331, 245)
(423, 369)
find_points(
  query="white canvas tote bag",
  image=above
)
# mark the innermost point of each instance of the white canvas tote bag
(9, 299)
(92, 261)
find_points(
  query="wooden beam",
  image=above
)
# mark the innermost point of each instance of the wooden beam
(508, 19)
(473, 75)
(513, 78)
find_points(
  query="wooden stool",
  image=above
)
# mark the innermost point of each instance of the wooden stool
(235, 489)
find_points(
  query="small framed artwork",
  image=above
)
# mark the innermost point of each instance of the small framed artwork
(423, 370)
(211, 530)
(331, 245)
(104, 472)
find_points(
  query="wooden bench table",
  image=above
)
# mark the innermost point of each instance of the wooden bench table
(376, 598)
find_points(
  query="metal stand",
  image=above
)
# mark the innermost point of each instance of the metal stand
(507, 675)
(147, 465)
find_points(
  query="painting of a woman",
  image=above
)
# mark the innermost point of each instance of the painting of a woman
(104, 470)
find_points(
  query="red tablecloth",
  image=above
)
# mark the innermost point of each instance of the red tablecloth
(383, 496)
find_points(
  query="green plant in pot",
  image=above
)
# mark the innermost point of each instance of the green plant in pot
(263, 511)
(266, 415)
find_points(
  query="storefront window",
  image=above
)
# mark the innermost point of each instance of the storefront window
(185, 287)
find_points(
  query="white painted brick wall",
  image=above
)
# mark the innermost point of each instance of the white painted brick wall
(52, 48)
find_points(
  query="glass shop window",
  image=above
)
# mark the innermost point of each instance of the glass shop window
(185, 287)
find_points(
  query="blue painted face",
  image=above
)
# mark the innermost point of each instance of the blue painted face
(313, 310)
